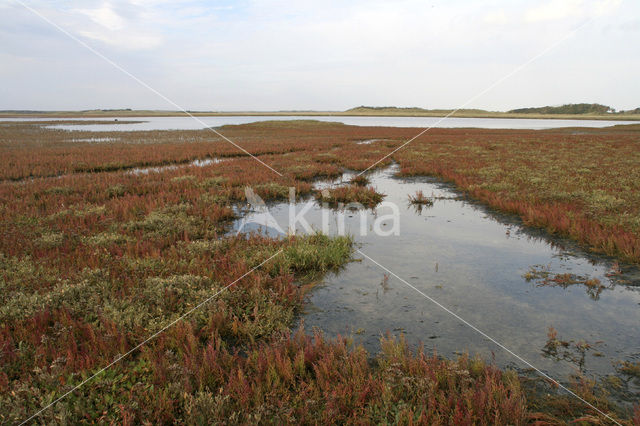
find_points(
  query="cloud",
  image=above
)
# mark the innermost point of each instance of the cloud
(555, 10)
(112, 28)
(104, 16)
(129, 41)
(278, 54)
(497, 17)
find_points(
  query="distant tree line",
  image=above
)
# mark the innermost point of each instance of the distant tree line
(567, 109)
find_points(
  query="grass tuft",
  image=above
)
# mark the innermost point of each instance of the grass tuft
(420, 199)
(350, 195)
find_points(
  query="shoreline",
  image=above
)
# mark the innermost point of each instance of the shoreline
(439, 114)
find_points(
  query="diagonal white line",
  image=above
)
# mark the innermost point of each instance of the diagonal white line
(118, 67)
(485, 335)
(481, 93)
(148, 339)
(499, 81)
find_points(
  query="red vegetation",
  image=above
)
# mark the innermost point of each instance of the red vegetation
(94, 261)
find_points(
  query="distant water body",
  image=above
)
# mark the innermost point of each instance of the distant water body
(189, 123)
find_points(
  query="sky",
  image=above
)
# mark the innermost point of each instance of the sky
(318, 55)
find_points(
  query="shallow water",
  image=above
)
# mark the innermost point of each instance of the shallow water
(471, 261)
(94, 140)
(189, 123)
(368, 141)
(160, 169)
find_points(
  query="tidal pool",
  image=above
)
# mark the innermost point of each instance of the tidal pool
(160, 169)
(473, 261)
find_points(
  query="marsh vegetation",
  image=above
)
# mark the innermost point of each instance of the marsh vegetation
(94, 259)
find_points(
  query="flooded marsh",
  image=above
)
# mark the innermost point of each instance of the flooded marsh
(134, 232)
(478, 263)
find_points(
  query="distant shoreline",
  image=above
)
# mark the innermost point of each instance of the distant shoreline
(438, 113)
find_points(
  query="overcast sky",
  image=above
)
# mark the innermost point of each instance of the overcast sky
(323, 55)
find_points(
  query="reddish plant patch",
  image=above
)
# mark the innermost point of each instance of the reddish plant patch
(94, 261)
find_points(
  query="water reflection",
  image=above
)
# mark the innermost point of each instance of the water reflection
(160, 169)
(189, 123)
(474, 262)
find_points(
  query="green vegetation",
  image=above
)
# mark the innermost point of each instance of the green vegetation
(566, 109)
(410, 111)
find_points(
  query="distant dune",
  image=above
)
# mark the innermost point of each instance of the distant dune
(568, 111)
